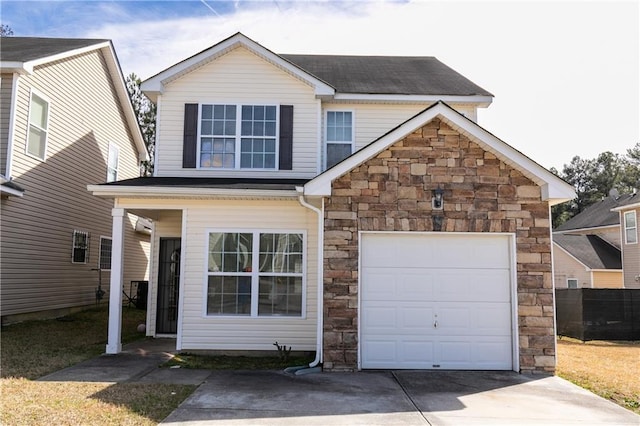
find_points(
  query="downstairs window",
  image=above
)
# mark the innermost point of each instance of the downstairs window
(255, 274)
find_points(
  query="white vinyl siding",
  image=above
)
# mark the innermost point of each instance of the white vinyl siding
(200, 331)
(36, 232)
(238, 77)
(566, 266)
(630, 227)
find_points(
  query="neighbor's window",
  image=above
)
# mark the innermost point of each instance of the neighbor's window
(572, 283)
(80, 253)
(255, 273)
(38, 126)
(105, 254)
(339, 135)
(238, 136)
(112, 163)
(630, 228)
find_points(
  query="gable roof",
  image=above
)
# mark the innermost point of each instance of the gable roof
(22, 54)
(384, 78)
(554, 189)
(29, 49)
(154, 85)
(400, 75)
(599, 214)
(591, 250)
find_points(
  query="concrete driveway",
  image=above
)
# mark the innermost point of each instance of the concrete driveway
(394, 398)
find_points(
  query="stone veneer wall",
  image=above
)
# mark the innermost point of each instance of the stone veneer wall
(392, 192)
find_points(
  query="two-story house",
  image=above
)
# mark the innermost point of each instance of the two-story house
(347, 205)
(65, 121)
(598, 248)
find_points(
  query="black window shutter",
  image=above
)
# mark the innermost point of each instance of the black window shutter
(190, 141)
(286, 137)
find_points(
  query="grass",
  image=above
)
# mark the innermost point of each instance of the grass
(609, 369)
(32, 349)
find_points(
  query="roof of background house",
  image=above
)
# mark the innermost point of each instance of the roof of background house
(400, 75)
(25, 49)
(599, 214)
(591, 250)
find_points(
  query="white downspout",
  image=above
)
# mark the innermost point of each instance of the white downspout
(12, 125)
(320, 314)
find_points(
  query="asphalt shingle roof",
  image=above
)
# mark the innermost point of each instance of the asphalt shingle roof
(591, 250)
(398, 75)
(25, 49)
(227, 183)
(599, 214)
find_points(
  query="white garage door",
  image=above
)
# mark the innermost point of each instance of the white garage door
(436, 302)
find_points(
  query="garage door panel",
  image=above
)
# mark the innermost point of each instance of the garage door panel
(387, 286)
(472, 285)
(411, 281)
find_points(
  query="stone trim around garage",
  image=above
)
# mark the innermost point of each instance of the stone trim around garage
(392, 192)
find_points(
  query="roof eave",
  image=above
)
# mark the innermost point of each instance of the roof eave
(16, 66)
(125, 100)
(480, 101)
(112, 191)
(626, 207)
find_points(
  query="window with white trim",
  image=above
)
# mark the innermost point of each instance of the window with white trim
(38, 126)
(238, 136)
(572, 283)
(339, 136)
(104, 259)
(630, 228)
(112, 163)
(255, 273)
(80, 250)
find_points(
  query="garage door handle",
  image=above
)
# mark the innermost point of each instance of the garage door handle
(435, 324)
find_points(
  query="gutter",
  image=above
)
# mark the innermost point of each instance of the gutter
(313, 366)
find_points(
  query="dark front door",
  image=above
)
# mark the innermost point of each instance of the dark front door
(168, 285)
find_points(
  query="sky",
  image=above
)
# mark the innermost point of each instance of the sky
(564, 75)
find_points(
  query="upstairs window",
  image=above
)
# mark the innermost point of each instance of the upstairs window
(238, 136)
(38, 126)
(630, 228)
(112, 163)
(80, 250)
(339, 136)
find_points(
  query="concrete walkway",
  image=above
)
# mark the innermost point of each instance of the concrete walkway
(364, 398)
(138, 362)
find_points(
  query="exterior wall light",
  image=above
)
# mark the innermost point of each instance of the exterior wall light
(437, 201)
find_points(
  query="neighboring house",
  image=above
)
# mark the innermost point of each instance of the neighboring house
(586, 261)
(598, 248)
(348, 205)
(65, 121)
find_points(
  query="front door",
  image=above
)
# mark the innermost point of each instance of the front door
(168, 286)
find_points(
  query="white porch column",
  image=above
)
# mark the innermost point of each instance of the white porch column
(114, 343)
